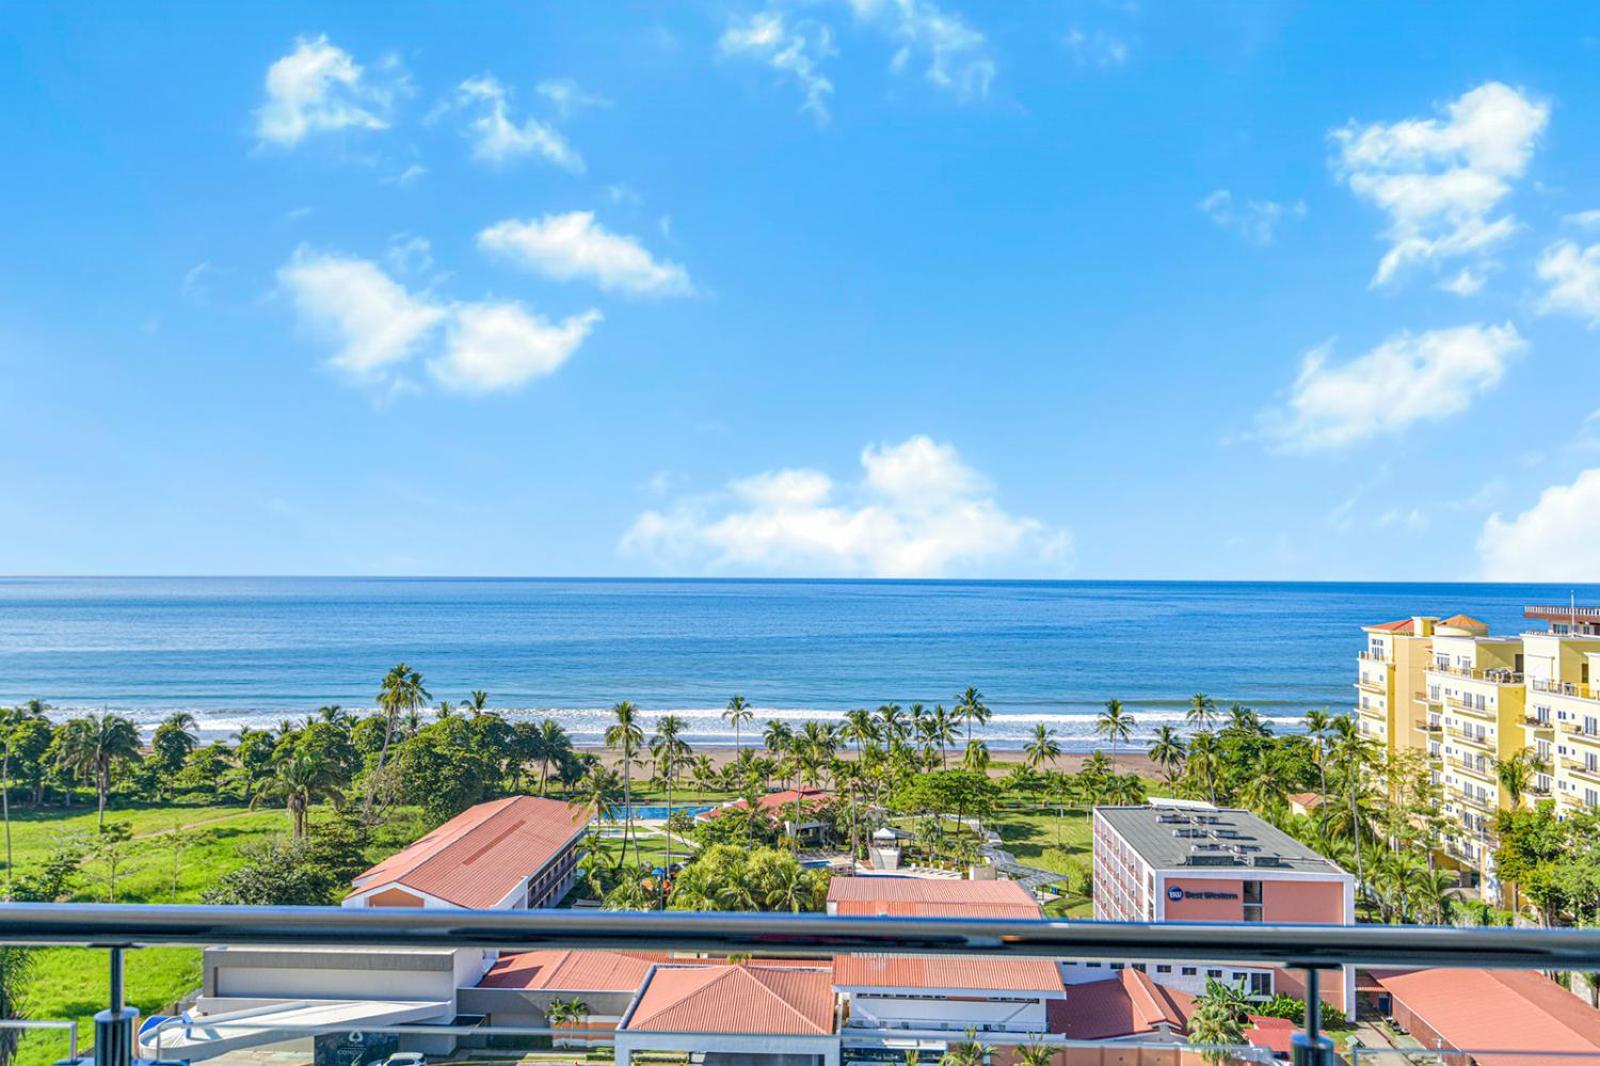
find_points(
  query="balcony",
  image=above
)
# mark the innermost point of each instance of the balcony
(281, 1035)
(1564, 688)
(1537, 724)
(1482, 773)
(1459, 705)
(1485, 804)
(1427, 727)
(1368, 683)
(1579, 768)
(1495, 675)
(1483, 743)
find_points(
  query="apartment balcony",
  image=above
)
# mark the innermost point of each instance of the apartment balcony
(291, 1032)
(1367, 683)
(1482, 773)
(1433, 728)
(1564, 688)
(1495, 675)
(1580, 769)
(1462, 736)
(1483, 804)
(1373, 657)
(1377, 713)
(1458, 705)
(1537, 724)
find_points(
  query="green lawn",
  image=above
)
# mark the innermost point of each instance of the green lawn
(72, 982)
(1039, 838)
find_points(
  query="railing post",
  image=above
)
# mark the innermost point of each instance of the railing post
(113, 1027)
(1311, 1048)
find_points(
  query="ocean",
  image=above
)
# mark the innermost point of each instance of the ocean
(250, 651)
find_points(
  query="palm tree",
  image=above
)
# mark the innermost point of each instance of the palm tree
(10, 718)
(400, 693)
(1242, 719)
(976, 757)
(1168, 751)
(1115, 724)
(776, 736)
(1036, 1054)
(1218, 1020)
(859, 728)
(1204, 758)
(1435, 894)
(1353, 753)
(941, 730)
(476, 702)
(1318, 723)
(597, 793)
(553, 746)
(891, 722)
(969, 1052)
(18, 966)
(624, 737)
(564, 1012)
(669, 750)
(1042, 748)
(970, 708)
(1267, 793)
(1515, 775)
(93, 747)
(300, 781)
(1202, 712)
(738, 712)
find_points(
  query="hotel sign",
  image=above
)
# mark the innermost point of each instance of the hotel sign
(1177, 894)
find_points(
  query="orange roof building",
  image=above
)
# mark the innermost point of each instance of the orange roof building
(735, 1009)
(515, 852)
(1467, 1010)
(1127, 1005)
(916, 897)
(568, 971)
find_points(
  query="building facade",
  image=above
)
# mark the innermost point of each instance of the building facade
(1470, 702)
(1179, 862)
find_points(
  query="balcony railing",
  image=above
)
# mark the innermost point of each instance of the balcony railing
(1372, 657)
(1498, 675)
(1468, 737)
(1313, 949)
(1562, 688)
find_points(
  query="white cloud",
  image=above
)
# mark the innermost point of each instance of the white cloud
(1441, 179)
(573, 246)
(376, 325)
(794, 51)
(1410, 377)
(407, 175)
(567, 97)
(409, 254)
(372, 320)
(1465, 282)
(1551, 541)
(954, 55)
(1583, 219)
(319, 88)
(1098, 50)
(1412, 520)
(918, 511)
(1255, 220)
(1573, 277)
(497, 138)
(494, 346)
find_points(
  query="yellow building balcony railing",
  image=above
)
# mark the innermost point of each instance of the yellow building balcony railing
(1467, 737)
(1534, 722)
(1495, 675)
(1579, 768)
(1574, 689)
(1488, 804)
(1368, 683)
(1460, 705)
(1427, 727)
(1484, 772)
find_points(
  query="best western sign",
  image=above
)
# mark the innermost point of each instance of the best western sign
(1176, 893)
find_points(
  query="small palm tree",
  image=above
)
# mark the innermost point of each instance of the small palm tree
(1219, 1019)
(476, 702)
(566, 1012)
(1202, 711)
(738, 712)
(1042, 748)
(1515, 775)
(1168, 751)
(969, 1052)
(1318, 723)
(624, 736)
(1035, 1054)
(300, 781)
(1203, 761)
(970, 709)
(401, 692)
(93, 745)
(1115, 724)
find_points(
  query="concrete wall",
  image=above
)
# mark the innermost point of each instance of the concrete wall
(946, 1012)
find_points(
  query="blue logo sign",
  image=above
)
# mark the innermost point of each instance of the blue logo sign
(1175, 893)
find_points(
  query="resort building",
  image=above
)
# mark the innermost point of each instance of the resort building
(1468, 701)
(1480, 1011)
(947, 992)
(520, 988)
(1180, 862)
(780, 806)
(916, 897)
(520, 852)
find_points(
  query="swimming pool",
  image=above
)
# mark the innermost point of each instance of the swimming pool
(659, 812)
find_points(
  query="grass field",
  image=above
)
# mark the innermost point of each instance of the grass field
(1039, 838)
(72, 982)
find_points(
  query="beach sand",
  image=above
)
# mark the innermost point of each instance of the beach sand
(1001, 762)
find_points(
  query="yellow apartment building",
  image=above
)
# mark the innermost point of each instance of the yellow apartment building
(1470, 700)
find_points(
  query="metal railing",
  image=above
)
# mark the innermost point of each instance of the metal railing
(1312, 949)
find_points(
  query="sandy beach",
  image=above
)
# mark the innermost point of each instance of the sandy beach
(1001, 761)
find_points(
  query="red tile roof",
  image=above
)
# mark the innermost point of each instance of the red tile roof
(921, 897)
(1496, 1009)
(1129, 1004)
(478, 857)
(735, 999)
(1307, 800)
(568, 971)
(1274, 1034)
(776, 802)
(1403, 626)
(1464, 621)
(990, 974)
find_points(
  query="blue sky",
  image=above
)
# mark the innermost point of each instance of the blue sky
(866, 287)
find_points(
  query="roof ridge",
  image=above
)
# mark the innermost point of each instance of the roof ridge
(659, 1011)
(790, 1007)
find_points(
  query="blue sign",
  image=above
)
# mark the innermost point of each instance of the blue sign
(1175, 893)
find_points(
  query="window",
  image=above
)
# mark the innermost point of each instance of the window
(1252, 891)
(1214, 974)
(1118, 965)
(1188, 971)
(1163, 968)
(1261, 984)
